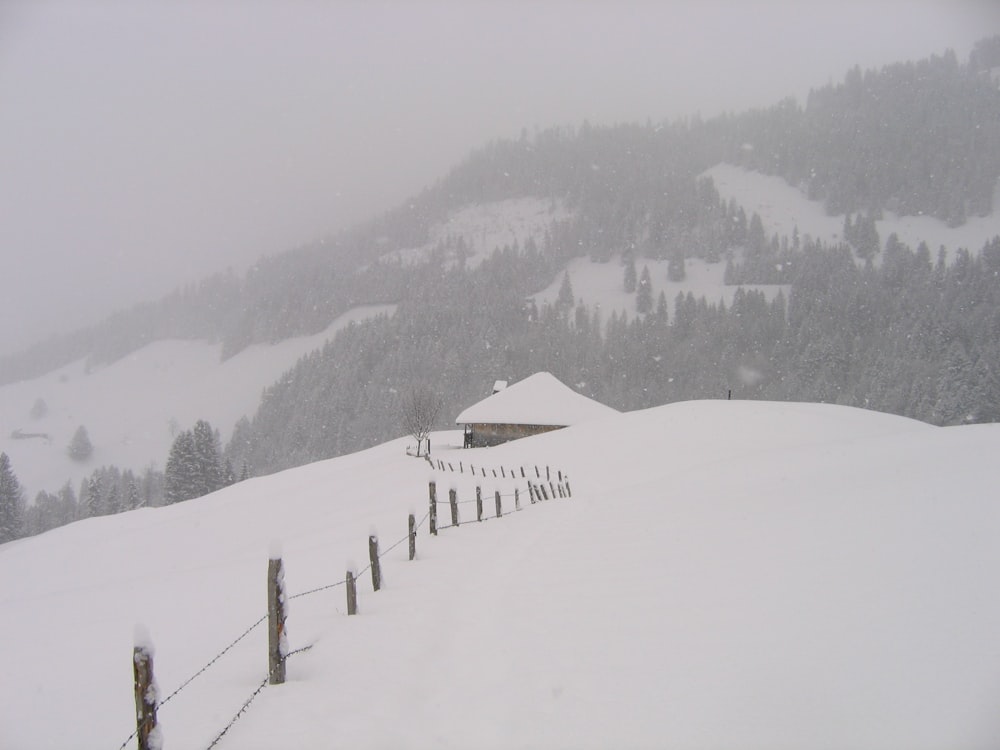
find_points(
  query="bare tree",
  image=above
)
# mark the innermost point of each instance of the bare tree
(419, 411)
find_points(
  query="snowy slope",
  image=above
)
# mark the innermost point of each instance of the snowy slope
(488, 226)
(133, 408)
(726, 575)
(602, 284)
(782, 208)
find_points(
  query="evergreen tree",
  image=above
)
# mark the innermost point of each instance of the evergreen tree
(80, 447)
(644, 295)
(11, 502)
(675, 267)
(179, 482)
(193, 466)
(132, 498)
(565, 299)
(207, 462)
(631, 278)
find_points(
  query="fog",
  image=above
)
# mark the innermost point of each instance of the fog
(145, 144)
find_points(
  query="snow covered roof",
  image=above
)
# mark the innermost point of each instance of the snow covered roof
(540, 399)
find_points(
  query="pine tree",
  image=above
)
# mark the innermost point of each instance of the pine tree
(630, 274)
(80, 447)
(11, 502)
(565, 299)
(207, 464)
(178, 480)
(644, 296)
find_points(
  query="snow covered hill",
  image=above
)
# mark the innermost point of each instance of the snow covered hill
(782, 208)
(726, 575)
(133, 408)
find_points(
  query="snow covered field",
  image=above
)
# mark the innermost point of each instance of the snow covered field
(782, 208)
(603, 284)
(726, 575)
(487, 226)
(133, 408)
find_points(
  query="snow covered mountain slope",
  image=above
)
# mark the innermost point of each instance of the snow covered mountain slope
(726, 575)
(602, 284)
(133, 408)
(782, 208)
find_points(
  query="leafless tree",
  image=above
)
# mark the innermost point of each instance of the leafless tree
(420, 410)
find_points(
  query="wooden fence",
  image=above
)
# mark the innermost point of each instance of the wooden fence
(147, 702)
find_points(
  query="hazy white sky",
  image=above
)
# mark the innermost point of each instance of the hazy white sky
(147, 143)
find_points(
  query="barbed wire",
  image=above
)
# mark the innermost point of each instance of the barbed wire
(318, 589)
(254, 694)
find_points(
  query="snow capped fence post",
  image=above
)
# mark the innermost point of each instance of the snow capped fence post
(373, 557)
(496, 496)
(277, 644)
(352, 594)
(147, 730)
(479, 503)
(517, 499)
(569, 492)
(413, 536)
(433, 510)
(531, 493)
(453, 501)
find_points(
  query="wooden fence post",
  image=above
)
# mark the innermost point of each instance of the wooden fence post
(276, 641)
(453, 501)
(531, 492)
(461, 469)
(547, 475)
(373, 557)
(352, 594)
(434, 508)
(517, 499)
(147, 732)
(503, 473)
(545, 495)
(413, 536)
(568, 490)
(522, 472)
(497, 497)
(479, 503)
(538, 474)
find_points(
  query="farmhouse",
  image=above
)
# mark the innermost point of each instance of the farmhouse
(537, 404)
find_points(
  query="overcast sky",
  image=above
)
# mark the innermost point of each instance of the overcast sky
(147, 143)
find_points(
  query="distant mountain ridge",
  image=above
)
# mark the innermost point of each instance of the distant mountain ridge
(861, 319)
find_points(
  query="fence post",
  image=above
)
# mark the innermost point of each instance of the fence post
(352, 594)
(503, 473)
(531, 492)
(517, 499)
(461, 469)
(553, 488)
(434, 508)
(147, 731)
(538, 474)
(560, 475)
(497, 496)
(568, 490)
(522, 472)
(276, 641)
(413, 536)
(453, 501)
(479, 503)
(545, 495)
(547, 475)
(373, 557)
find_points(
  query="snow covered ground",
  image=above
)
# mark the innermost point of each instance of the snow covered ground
(603, 284)
(488, 226)
(726, 575)
(133, 408)
(782, 208)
